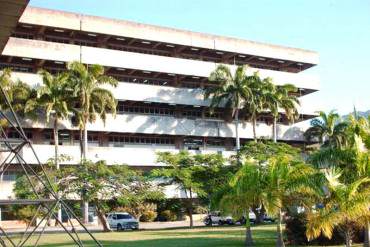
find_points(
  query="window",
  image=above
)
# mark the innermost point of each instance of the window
(123, 216)
(9, 176)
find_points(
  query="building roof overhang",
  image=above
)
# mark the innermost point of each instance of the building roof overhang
(10, 12)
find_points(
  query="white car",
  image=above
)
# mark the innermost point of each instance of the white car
(217, 218)
(122, 221)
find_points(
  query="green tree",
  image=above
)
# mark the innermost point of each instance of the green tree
(328, 129)
(107, 186)
(17, 92)
(343, 204)
(288, 183)
(254, 105)
(91, 100)
(261, 152)
(179, 171)
(230, 91)
(352, 158)
(281, 97)
(211, 172)
(54, 98)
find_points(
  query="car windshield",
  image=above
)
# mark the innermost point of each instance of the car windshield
(123, 216)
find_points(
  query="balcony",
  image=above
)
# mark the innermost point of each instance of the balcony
(44, 50)
(166, 125)
(133, 155)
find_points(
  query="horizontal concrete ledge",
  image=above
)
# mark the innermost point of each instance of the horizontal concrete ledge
(94, 24)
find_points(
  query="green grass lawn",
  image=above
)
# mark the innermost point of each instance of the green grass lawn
(197, 237)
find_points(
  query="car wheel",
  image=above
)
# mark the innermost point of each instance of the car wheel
(119, 227)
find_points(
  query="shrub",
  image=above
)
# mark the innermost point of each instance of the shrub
(295, 228)
(167, 215)
(148, 216)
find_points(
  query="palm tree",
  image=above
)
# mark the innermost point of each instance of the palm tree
(255, 104)
(328, 129)
(54, 98)
(246, 187)
(343, 203)
(17, 92)
(287, 182)
(91, 100)
(230, 91)
(281, 97)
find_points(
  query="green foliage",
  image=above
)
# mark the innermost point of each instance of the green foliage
(328, 129)
(17, 92)
(180, 169)
(168, 215)
(262, 151)
(230, 90)
(342, 204)
(148, 216)
(92, 99)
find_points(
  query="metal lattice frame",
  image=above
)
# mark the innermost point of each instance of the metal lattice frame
(11, 151)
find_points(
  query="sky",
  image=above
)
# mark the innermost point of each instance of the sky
(339, 30)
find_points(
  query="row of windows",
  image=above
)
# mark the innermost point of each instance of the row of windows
(145, 110)
(120, 140)
(117, 140)
(191, 113)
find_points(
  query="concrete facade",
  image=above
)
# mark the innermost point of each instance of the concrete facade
(161, 80)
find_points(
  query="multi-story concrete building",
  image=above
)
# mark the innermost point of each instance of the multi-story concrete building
(161, 72)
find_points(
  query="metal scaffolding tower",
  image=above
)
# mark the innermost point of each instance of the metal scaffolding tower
(10, 154)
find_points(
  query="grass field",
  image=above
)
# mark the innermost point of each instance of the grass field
(197, 237)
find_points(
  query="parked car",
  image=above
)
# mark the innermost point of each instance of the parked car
(216, 218)
(122, 221)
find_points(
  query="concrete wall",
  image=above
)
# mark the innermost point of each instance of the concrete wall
(113, 58)
(73, 21)
(148, 124)
(158, 94)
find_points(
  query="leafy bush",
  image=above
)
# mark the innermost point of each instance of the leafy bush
(167, 215)
(295, 228)
(148, 216)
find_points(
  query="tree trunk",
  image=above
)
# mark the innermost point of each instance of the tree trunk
(367, 235)
(84, 152)
(259, 214)
(348, 237)
(248, 231)
(280, 240)
(84, 157)
(56, 160)
(56, 143)
(254, 123)
(274, 130)
(191, 209)
(236, 118)
(103, 219)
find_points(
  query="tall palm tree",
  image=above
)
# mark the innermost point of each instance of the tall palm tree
(285, 182)
(230, 91)
(247, 186)
(343, 203)
(329, 130)
(92, 100)
(281, 97)
(54, 98)
(255, 104)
